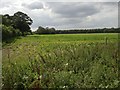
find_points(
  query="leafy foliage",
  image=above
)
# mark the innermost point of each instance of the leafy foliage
(9, 32)
(16, 25)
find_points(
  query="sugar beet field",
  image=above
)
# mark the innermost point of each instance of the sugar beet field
(61, 61)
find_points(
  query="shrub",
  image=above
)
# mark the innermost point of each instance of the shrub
(9, 32)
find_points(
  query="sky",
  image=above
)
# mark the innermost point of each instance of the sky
(65, 14)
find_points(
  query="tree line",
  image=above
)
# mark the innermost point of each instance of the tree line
(16, 25)
(42, 30)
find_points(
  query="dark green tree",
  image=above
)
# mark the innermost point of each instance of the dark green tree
(40, 30)
(7, 20)
(46, 30)
(22, 22)
(50, 30)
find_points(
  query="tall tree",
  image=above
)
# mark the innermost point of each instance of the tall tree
(22, 22)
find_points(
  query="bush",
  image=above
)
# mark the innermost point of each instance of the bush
(46, 30)
(9, 32)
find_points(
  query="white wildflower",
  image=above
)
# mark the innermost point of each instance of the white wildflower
(40, 76)
(63, 86)
(25, 77)
(70, 72)
(66, 64)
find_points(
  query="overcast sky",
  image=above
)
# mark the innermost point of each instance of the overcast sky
(64, 14)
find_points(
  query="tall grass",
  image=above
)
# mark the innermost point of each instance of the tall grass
(60, 65)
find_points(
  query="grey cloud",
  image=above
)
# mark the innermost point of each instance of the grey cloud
(34, 5)
(110, 3)
(73, 9)
(74, 15)
(71, 13)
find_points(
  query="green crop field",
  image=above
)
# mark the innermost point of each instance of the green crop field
(61, 61)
